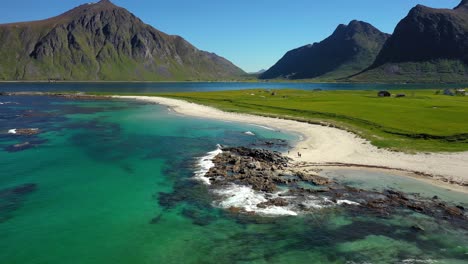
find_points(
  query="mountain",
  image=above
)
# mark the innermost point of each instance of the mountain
(101, 41)
(257, 73)
(428, 45)
(349, 50)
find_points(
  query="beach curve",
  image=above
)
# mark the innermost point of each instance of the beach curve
(329, 146)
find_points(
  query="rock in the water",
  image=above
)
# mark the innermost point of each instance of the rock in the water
(24, 131)
(273, 202)
(315, 179)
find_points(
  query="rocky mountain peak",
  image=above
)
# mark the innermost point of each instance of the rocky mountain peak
(102, 41)
(350, 49)
(463, 4)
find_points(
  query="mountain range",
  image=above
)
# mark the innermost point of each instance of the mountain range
(428, 45)
(104, 42)
(350, 49)
(101, 41)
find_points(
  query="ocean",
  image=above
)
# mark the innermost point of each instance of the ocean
(121, 181)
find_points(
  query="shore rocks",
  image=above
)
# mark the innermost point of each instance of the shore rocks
(273, 202)
(315, 179)
(268, 172)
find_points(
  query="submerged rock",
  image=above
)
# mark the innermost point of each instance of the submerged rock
(11, 199)
(24, 131)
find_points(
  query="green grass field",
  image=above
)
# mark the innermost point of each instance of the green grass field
(421, 121)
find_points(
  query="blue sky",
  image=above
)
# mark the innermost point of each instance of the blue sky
(253, 34)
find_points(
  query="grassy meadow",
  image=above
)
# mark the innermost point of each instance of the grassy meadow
(421, 121)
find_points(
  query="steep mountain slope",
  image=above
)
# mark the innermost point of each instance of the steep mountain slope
(102, 41)
(427, 45)
(349, 50)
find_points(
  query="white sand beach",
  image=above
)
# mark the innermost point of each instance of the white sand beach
(324, 145)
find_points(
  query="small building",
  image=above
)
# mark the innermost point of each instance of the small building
(460, 92)
(384, 94)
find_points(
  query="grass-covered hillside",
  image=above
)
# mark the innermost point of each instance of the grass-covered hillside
(421, 121)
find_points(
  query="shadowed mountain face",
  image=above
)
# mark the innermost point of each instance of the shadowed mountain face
(349, 50)
(427, 45)
(102, 41)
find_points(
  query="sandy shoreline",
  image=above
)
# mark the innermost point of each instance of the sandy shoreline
(325, 145)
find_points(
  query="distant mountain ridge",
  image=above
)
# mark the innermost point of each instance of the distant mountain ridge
(350, 49)
(428, 45)
(101, 41)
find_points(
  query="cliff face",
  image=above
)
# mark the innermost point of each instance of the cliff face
(102, 41)
(349, 50)
(427, 45)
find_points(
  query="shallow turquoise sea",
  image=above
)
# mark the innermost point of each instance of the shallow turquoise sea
(112, 182)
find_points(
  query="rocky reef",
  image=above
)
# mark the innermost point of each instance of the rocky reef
(282, 185)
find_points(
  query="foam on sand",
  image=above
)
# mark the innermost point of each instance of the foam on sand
(205, 163)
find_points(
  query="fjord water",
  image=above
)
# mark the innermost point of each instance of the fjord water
(112, 182)
(156, 87)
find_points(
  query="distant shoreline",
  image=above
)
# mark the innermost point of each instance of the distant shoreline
(246, 81)
(323, 146)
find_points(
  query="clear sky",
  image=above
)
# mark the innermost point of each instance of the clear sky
(253, 34)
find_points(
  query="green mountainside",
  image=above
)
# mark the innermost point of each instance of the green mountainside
(349, 50)
(428, 45)
(101, 41)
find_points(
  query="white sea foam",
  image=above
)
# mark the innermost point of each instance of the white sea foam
(205, 163)
(340, 202)
(12, 131)
(313, 204)
(4, 103)
(250, 133)
(248, 199)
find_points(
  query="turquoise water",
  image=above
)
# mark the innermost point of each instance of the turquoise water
(112, 182)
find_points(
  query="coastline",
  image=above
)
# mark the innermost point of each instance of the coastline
(326, 146)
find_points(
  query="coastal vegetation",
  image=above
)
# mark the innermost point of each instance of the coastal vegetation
(422, 120)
